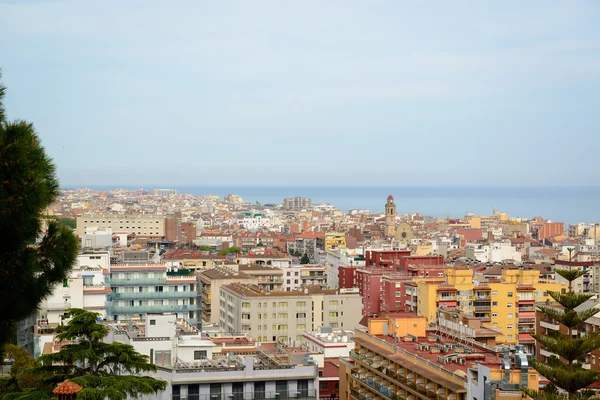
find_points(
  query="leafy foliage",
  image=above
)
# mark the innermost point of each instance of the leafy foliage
(566, 372)
(305, 259)
(28, 185)
(230, 250)
(104, 370)
(20, 378)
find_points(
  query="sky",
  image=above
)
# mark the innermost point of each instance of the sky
(308, 92)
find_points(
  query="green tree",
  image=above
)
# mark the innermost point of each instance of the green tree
(305, 259)
(28, 185)
(20, 379)
(230, 250)
(105, 370)
(566, 372)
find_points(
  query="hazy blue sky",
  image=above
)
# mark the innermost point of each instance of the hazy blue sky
(308, 92)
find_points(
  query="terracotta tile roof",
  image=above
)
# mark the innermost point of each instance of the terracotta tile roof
(67, 387)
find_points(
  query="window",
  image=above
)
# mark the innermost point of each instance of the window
(509, 326)
(509, 316)
(495, 293)
(152, 322)
(510, 294)
(510, 337)
(509, 305)
(323, 385)
(494, 314)
(495, 303)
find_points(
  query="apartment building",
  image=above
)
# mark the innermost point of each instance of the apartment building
(296, 276)
(398, 358)
(210, 282)
(493, 253)
(148, 225)
(335, 240)
(506, 304)
(84, 288)
(304, 245)
(269, 278)
(164, 192)
(284, 316)
(141, 289)
(196, 368)
(296, 203)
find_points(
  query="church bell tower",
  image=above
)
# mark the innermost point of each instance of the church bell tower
(390, 216)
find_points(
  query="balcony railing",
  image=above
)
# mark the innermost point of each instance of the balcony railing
(415, 357)
(150, 309)
(254, 395)
(482, 308)
(138, 281)
(58, 306)
(154, 295)
(549, 325)
(526, 308)
(526, 320)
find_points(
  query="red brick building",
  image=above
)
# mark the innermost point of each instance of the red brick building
(551, 229)
(347, 277)
(385, 258)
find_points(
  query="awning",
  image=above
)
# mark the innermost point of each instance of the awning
(526, 338)
(529, 314)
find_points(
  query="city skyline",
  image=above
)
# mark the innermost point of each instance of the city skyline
(271, 93)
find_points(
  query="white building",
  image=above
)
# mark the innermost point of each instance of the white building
(97, 238)
(331, 343)
(296, 276)
(195, 368)
(494, 253)
(85, 288)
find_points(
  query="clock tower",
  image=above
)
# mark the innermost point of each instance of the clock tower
(390, 216)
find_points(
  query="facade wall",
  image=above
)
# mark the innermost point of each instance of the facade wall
(551, 229)
(140, 224)
(285, 318)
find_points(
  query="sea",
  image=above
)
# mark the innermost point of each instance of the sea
(570, 204)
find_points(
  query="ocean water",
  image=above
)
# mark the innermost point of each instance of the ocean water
(564, 204)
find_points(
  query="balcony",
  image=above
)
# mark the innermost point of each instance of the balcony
(138, 281)
(280, 395)
(150, 309)
(58, 306)
(526, 308)
(153, 295)
(526, 329)
(483, 297)
(546, 353)
(482, 308)
(548, 325)
(446, 298)
(527, 321)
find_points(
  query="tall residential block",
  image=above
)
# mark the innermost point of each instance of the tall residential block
(284, 316)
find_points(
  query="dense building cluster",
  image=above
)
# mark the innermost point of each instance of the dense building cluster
(300, 300)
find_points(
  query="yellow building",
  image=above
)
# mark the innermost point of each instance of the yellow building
(335, 240)
(397, 358)
(506, 304)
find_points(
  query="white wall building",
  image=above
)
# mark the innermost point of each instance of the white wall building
(496, 252)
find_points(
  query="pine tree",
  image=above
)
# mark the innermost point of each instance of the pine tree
(105, 370)
(28, 185)
(566, 372)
